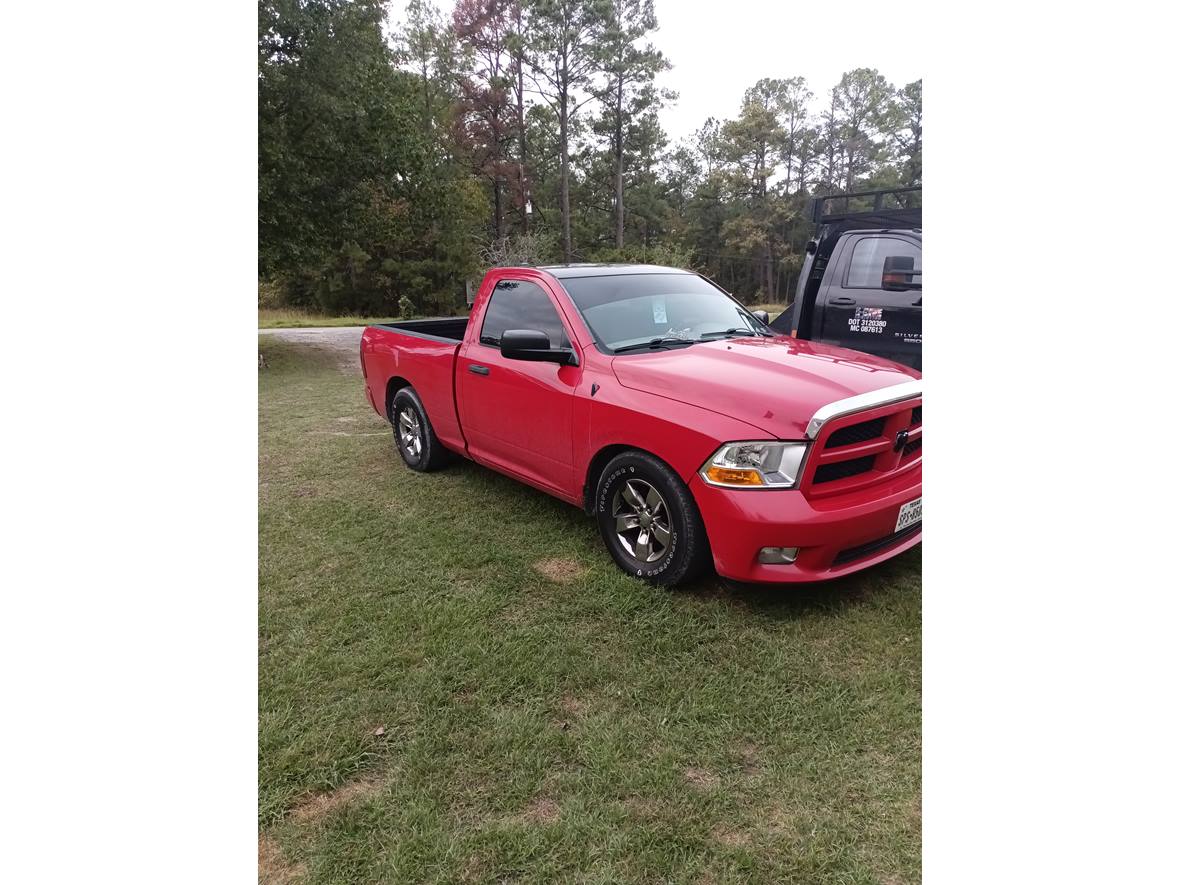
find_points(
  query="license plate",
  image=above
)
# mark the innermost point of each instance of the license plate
(910, 513)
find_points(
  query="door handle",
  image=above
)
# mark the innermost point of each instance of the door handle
(478, 370)
(843, 301)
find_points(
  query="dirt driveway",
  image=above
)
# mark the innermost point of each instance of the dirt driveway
(342, 340)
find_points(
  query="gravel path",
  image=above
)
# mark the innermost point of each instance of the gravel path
(343, 341)
(336, 337)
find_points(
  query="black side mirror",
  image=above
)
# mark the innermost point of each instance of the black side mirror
(532, 345)
(762, 316)
(898, 274)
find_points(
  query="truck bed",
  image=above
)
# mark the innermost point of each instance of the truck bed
(450, 329)
(420, 353)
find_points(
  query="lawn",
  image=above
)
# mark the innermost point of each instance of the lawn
(457, 685)
(292, 318)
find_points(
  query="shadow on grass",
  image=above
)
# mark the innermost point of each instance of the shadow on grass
(775, 601)
(283, 358)
(792, 601)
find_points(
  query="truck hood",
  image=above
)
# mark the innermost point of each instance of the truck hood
(774, 384)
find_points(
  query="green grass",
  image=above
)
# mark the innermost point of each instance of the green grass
(291, 318)
(537, 730)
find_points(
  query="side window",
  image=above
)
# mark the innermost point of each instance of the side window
(516, 304)
(868, 260)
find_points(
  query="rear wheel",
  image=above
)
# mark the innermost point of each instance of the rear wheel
(413, 435)
(649, 520)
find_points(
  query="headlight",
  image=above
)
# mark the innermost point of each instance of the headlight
(757, 464)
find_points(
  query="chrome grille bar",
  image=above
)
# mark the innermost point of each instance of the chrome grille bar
(861, 402)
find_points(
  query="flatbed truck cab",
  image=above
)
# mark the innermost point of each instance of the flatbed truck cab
(860, 285)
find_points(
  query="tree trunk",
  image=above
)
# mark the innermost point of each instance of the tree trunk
(567, 249)
(619, 163)
(524, 195)
(771, 273)
(497, 194)
(789, 157)
(426, 115)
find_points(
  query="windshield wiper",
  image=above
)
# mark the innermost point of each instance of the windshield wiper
(656, 342)
(734, 330)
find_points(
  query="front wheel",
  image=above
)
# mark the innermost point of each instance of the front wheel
(649, 520)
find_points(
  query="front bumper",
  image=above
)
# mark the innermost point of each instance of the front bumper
(740, 522)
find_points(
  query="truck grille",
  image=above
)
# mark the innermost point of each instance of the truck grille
(856, 433)
(843, 469)
(863, 448)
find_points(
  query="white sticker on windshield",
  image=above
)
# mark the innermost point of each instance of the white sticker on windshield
(659, 311)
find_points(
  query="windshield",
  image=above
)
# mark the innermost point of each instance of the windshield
(630, 310)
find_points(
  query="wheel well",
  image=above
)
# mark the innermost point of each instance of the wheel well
(598, 464)
(395, 384)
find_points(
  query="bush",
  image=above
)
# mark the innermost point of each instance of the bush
(665, 254)
(271, 294)
(523, 250)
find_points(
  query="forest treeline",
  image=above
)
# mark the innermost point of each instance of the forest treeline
(398, 159)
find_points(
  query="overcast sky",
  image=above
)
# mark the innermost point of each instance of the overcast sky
(720, 48)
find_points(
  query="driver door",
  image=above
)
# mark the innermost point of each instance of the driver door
(516, 415)
(859, 314)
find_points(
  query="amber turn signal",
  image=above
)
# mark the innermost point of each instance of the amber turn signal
(732, 476)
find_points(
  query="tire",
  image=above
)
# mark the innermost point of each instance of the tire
(676, 548)
(413, 435)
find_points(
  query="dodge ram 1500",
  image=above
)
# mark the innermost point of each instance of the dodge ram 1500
(693, 432)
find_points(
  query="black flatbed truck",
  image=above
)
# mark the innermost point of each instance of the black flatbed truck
(861, 282)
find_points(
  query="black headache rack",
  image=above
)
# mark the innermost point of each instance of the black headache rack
(835, 215)
(899, 208)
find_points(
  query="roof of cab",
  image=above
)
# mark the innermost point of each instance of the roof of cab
(569, 271)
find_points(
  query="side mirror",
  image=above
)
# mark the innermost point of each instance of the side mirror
(898, 274)
(533, 346)
(762, 316)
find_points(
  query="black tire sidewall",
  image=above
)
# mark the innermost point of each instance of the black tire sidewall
(683, 556)
(406, 399)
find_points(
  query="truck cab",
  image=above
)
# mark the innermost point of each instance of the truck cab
(860, 286)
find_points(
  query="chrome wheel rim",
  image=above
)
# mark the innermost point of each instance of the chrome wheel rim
(409, 432)
(642, 522)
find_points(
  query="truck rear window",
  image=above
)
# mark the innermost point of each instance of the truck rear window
(868, 260)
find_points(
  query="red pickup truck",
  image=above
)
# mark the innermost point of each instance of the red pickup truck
(692, 431)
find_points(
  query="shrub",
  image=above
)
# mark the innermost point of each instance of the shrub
(665, 254)
(523, 250)
(271, 294)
